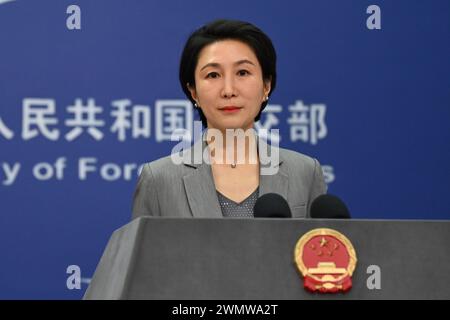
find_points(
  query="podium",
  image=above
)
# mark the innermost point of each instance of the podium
(173, 258)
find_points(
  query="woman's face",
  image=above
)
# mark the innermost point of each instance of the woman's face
(229, 86)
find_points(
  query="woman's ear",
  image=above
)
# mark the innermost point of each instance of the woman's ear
(192, 91)
(267, 87)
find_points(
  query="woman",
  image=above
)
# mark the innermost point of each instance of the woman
(228, 71)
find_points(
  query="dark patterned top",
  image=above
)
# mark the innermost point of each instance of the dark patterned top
(243, 209)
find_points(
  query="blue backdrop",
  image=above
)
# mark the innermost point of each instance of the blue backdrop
(86, 95)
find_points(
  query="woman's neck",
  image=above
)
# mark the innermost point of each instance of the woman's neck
(232, 146)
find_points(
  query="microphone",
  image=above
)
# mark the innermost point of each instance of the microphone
(327, 206)
(271, 205)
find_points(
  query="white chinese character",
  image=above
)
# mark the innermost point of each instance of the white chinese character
(122, 115)
(37, 112)
(307, 123)
(84, 116)
(270, 121)
(140, 122)
(172, 115)
(5, 131)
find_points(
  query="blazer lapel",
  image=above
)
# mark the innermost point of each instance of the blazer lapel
(275, 183)
(199, 187)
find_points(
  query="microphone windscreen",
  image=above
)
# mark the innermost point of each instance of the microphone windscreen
(271, 205)
(327, 206)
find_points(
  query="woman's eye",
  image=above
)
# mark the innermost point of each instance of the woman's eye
(243, 72)
(212, 75)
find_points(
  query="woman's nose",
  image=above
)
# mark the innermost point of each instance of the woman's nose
(229, 88)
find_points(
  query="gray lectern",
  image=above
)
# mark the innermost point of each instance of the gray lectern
(164, 258)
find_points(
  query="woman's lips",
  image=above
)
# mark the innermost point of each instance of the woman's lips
(230, 109)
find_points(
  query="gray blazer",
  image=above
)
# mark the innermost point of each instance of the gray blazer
(165, 189)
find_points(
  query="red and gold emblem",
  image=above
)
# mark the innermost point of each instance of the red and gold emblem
(326, 259)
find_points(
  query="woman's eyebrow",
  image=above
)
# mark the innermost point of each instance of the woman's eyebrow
(217, 65)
